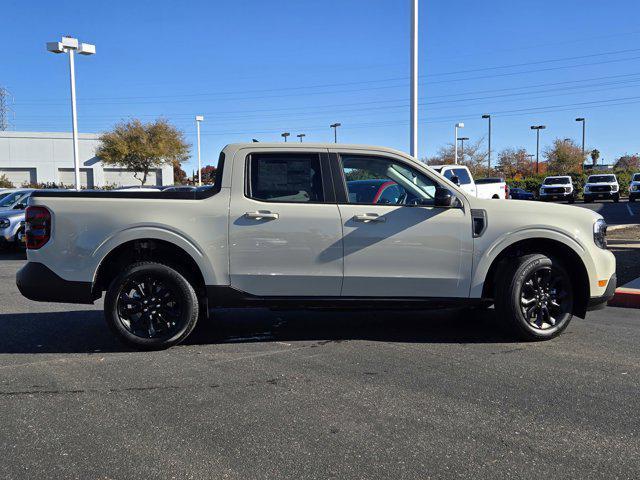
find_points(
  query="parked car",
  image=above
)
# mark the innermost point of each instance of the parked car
(601, 186)
(12, 213)
(461, 176)
(4, 192)
(521, 194)
(634, 187)
(558, 188)
(281, 228)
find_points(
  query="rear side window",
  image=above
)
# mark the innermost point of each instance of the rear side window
(285, 177)
(461, 173)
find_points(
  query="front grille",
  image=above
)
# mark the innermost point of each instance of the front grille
(554, 190)
(600, 188)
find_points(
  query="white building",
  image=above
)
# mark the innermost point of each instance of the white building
(41, 157)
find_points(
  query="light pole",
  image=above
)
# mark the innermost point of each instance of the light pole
(413, 114)
(584, 121)
(70, 45)
(335, 131)
(462, 139)
(530, 158)
(487, 116)
(537, 128)
(455, 141)
(199, 118)
(285, 135)
(300, 135)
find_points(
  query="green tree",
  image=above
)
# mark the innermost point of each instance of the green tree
(564, 157)
(595, 155)
(475, 157)
(142, 147)
(514, 161)
(4, 182)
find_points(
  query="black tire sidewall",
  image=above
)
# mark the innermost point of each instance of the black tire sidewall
(182, 287)
(508, 301)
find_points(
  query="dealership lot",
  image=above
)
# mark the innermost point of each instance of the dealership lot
(259, 394)
(622, 213)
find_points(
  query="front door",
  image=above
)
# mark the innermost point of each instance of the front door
(285, 235)
(397, 243)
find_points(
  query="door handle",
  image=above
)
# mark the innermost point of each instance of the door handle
(369, 217)
(262, 215)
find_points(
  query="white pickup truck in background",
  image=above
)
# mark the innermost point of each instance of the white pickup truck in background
(483, 188)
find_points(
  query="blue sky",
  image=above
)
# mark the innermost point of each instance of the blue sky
(257, 68)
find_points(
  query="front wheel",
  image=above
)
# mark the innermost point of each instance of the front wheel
(534, 297)
(572, 199)
(151, 306)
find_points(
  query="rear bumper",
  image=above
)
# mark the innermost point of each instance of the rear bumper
(38, 282)
(596, 303)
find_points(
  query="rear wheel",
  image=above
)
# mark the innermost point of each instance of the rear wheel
(151, 306)
(534, 297)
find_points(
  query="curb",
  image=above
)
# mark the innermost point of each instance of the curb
(627, 296)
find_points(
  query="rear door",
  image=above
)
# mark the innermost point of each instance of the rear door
(405, 246)
(285, 234)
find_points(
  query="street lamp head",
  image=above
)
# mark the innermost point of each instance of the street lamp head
(87, 49)
(55, 47)
(70, 42)
(463, 138)
(334, 125)
(199, 118)
(580, 119)
(300, 135)
(285, 134)
(460, 125)
(538, 127)
(486, 115)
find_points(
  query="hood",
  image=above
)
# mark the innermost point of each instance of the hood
(536, 213)
(11, 213)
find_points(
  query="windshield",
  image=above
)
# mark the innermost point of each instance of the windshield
(601, 179)
(11, 199)
(557, 181)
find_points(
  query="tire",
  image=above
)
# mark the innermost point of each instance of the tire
(572, 199)
(515, 297)
(616, 198)
(140, 288)
(632, 199)
(587, 199)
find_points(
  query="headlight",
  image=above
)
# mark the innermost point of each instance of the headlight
(600, 233)
(4, 223)
(614, 188)
(635, 187)
(586, 188)
(567, 189)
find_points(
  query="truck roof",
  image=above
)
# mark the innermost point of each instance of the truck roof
(306, 146)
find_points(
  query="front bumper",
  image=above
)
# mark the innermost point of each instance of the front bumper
(556, 196)
(596, 303)
(38, 282)
(601, 194)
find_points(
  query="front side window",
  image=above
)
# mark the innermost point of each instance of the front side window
(375, 180)
(285, 178)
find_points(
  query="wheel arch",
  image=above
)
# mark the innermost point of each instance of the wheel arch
(571, 259)
(147, 249)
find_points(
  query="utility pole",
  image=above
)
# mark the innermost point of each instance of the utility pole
(199, 118)
(487, 116)
(4, 109)
(413, 114)
(537, 128)
(462, 139)
(335, 131)
(584, 121)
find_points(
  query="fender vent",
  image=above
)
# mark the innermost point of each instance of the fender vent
(479, 224)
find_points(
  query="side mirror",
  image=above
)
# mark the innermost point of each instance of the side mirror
(19, 206)
(455, 179)
(444, 197)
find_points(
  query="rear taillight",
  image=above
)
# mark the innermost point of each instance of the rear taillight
(37, 227)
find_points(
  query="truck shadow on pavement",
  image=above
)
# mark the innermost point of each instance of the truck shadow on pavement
(85, 331)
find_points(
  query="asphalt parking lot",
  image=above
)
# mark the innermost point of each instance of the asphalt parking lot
(622, 213)
(259, 394)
